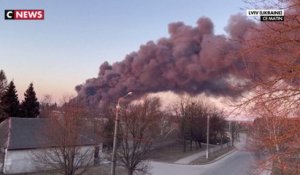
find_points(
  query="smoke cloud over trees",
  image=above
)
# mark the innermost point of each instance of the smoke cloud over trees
(191, 59)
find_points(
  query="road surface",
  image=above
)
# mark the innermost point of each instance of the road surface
(239, 162)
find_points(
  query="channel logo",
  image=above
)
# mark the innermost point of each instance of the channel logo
(24, 14)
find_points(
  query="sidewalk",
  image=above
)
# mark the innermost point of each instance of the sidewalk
(187, 160)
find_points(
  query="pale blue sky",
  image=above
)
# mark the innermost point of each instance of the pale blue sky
(77, 36)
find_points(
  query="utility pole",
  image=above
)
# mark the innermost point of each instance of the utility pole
(207, 137)
(114, 160)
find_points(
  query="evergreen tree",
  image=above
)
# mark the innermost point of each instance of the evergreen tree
(10, 102)
(30, 105)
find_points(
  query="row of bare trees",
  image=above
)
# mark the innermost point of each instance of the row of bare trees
(192, 116)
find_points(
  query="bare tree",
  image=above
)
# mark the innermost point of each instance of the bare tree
(68, 142)
(217, 127)
(191, 119)
(139, 129)
(108, 128)
(273, 49)
(276, 139)
(47, 107)
(234, 131)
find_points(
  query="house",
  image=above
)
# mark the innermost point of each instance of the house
(22, 138)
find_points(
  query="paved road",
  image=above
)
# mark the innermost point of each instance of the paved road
(239, 162)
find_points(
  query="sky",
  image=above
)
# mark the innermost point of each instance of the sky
(76, 36)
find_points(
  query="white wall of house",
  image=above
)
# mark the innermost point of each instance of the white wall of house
(23, 161)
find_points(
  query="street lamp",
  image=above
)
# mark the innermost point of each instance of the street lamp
(207, 137)
(113, 167)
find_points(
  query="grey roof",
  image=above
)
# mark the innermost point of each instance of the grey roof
(28, 133)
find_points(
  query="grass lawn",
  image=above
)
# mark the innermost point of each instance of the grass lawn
(174, 152)
(212, 156)
(105, 170)
(97, 170)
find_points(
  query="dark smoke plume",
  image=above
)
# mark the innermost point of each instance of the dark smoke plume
(191, 59)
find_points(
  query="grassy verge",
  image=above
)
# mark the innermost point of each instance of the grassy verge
(212, 156)
(173, 153)
(105, 170)
(94, 170)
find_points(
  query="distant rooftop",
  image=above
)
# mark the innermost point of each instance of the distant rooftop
(27, 133)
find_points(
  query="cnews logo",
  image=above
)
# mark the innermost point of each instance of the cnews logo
(24, 14)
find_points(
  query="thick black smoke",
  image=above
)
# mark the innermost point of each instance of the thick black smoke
(191, 59)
